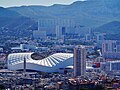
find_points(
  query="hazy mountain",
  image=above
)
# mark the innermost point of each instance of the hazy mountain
(90, 13)
(8, 13)
(112, 29)
(12, 23)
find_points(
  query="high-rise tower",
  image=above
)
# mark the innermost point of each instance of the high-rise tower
(79, 60)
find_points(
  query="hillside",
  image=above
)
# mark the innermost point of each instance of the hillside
(112, 29)
(14, 24)
(8, 13)
(91, 13)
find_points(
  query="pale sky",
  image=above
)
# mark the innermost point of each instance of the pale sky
(10, 3)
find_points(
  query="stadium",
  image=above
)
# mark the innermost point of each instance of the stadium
(58, 62)
(37, 62)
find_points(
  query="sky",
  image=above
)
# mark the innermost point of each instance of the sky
(10, 3)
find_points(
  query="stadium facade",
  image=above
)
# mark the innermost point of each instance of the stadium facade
(52, 63)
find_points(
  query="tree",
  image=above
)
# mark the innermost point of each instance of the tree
(2, 87)
(99, 87)
(83, 89)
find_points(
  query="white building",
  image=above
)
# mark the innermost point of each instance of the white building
(51, 63)
(55, 26)
(58, 32)
(55, 22)
(100, 37)
(39, 34)
(88, 37)
(27, 47)
(111, 49)
(1, 49)
(54, 63)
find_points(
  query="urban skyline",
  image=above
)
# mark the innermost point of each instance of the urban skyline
(60, 47)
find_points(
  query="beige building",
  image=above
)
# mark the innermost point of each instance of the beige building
(79, 60)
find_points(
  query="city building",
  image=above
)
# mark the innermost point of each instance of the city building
(56, 26)
(54, 22)
(95, 37)
(39, 34)
(113, 66)
(58, 32)
(80, 84)
(111, 49)
(88, 37)
(1, 50)
(79, 60)
(27, 47)
(100, 37)
(58, 62)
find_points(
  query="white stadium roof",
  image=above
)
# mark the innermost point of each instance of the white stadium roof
(49, 64)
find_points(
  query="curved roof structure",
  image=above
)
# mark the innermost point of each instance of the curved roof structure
(51, 63)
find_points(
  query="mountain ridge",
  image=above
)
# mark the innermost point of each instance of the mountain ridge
(97, 12)
(90, 14)
(109, 28)
(13, 23)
